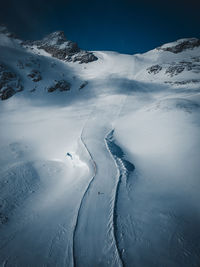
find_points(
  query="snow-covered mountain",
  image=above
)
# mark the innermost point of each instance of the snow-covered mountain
(58, 46)
(99, 162)
(27, 65)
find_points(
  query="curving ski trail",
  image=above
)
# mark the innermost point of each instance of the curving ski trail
(94, 224)
(83, 197)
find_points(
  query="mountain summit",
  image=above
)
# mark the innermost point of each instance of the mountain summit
(57, 45)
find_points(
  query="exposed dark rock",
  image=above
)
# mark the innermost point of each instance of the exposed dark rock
(7, 93)
(7, 75)
(9, 83)
(84, 57)
(183, 45)
(59, 47)
(60, 53)
(61, 85)
(35, 76)
(178, 67)
(83, 85)
(154, 69)
(174, 70)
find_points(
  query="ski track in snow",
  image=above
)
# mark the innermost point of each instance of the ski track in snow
(97, 219)
(123, 173)
(111, 221)
(83, 197)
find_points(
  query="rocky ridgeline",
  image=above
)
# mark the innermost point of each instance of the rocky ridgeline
(183, 44)
(57, 45)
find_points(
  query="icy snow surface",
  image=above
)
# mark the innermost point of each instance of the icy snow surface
(105, 175)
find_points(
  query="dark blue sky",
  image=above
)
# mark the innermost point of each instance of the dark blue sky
(126, 26)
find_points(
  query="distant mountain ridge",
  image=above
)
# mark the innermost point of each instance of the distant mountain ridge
(31, 67)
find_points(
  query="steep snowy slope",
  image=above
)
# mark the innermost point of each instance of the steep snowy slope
(99, 162)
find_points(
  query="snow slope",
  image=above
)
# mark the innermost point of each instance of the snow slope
(105, 172)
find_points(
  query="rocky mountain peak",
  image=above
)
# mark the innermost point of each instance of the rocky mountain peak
(57, 45)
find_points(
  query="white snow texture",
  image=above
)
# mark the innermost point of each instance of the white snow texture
(105, 173)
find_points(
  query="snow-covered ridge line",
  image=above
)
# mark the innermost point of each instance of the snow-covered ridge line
(124, 167)
(83, 197)
(51, 65)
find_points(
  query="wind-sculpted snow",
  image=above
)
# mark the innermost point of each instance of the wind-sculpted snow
(118, 154)
(124, 169)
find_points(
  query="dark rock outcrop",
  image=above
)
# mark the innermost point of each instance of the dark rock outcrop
(59, 47)
(178, 67)
(189, 43)
(61, 86)
(154, 69)
(35, 75)
(174, 68)
(9, 83)
(84, 57)
(83, 85)
(7, 93)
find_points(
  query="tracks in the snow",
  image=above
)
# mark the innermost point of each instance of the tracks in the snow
(82, 199)
(124, 168)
